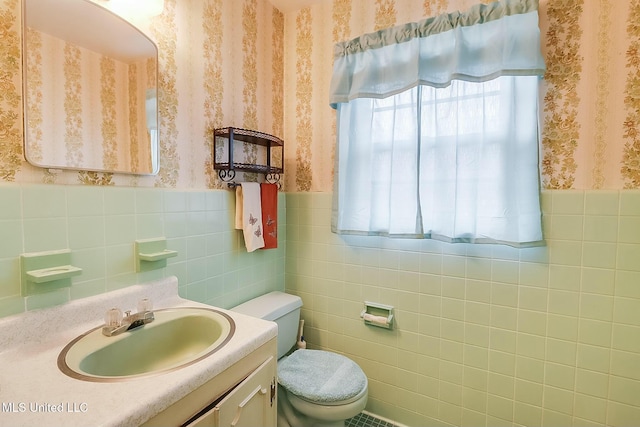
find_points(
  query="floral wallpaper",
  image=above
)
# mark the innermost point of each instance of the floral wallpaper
(434, 7)
(589, 110)
(304, 99)
(561, 128)
(602, 90)
(244, 63)
(71, 130)
(630, 168)
(33, 91)
(213, 85)
(385, 14)
(10, 94)
(220, 64)
(277, 79)
(108, 112)
(164, 32)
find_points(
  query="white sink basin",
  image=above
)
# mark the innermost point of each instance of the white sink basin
(178, 337)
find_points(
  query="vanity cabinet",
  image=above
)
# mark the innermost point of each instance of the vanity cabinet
(249, 404)
(245, 394)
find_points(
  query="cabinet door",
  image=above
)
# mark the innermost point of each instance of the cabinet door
(251, 403)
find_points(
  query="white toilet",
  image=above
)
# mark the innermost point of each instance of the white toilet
(316, 388)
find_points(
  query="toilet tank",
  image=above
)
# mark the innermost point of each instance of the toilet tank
(279, 307)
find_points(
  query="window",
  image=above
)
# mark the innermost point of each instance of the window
(454, 160)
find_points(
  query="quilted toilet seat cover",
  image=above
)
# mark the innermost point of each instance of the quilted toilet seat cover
(321, 376)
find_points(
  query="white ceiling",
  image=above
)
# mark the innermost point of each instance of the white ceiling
(286, 6)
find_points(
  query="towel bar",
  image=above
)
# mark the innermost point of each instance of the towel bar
(234, 184)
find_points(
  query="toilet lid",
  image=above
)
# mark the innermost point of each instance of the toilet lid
(321, 376)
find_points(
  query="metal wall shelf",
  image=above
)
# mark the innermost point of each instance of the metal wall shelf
(227, 166)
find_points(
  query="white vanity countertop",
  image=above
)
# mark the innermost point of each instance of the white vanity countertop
(34, 392)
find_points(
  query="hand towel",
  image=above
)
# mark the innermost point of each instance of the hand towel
(249, 214)
(269, 197)
(239, 210)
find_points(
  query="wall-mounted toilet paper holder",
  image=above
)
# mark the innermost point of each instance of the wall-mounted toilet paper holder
(376, 314)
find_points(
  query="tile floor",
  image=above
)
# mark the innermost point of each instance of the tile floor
(366, 420)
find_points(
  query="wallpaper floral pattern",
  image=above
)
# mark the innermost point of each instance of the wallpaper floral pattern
(304, 95)
(164, 32)
(590, 117)
(600, 138)
(108, 80)
(631, 163)
(72, 105)
(213, 83)
(561, 129)
(10, 94)
(434, 7)
(133, 118)
(197, 91)
(87, 126)
(250, 78)
(277, 79)
(34, 58)
(585, 143)
(385, 14)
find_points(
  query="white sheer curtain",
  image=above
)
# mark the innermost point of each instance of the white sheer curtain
(444, 152)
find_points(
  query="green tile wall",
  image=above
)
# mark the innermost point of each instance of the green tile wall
(100, 225)
(486, 335)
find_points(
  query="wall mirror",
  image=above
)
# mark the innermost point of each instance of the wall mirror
(89, 89)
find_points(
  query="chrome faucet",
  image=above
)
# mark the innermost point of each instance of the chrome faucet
(115, 323)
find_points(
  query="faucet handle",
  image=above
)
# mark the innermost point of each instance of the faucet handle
(145, 305)
(113, 317)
